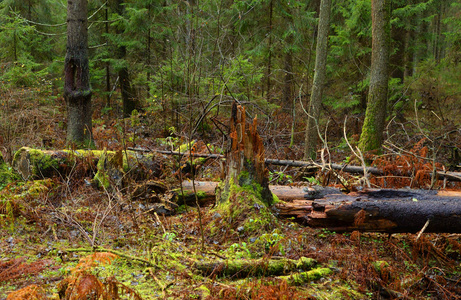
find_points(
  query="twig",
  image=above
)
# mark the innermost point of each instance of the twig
(422, 230)
(160, 222)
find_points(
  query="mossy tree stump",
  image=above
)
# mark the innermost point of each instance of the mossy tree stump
(243, 197)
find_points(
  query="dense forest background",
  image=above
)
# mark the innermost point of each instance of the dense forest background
(164, 76)
(180, 60)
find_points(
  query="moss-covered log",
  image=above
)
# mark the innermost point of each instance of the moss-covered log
(107, 166)
(207, 190)
(241, 268)
(308, 276)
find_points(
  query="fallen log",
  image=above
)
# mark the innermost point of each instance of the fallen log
(285, 193)
(242, 268)
(389, 211)
(37, 163)
(440, 175)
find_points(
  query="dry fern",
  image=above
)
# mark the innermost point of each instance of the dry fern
(31, 292)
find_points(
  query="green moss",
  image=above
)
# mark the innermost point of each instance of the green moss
(303, 277)
(242, 208)
(7, 175)
(101, 178)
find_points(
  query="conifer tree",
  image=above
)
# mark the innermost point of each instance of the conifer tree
(373, 127)
(77, 91)
(319, 81)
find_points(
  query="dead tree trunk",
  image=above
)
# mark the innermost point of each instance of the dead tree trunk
(440, 175)
(389, 211)
(245, 164)
(243, 198)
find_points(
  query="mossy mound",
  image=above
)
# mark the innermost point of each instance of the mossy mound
(244, 213)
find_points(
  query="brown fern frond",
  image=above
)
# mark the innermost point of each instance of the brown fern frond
(81, 287)
(15, 268)
(93, 260)
(114, 289)
(31, 292)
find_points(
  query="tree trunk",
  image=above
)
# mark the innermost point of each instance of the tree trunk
(389, 211)
(128, 95)
(386, 210)
(373, 127)
(319, 81)
(243, 198)
(108, 89)
(36, 163)
(269, 59)
(77, 92)
(245, 164)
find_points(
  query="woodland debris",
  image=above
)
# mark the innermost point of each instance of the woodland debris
(383, 210)
(441, 175)
(308, 276)
(31, 292)
(241, 268)
(388, 211)
(109, 167)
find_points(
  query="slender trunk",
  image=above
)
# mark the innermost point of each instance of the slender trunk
(373, 127)
(15, 42)
(269, 59)
(408, 55)
(77, 92)
(107, 63)
(148, 50)
(29, 11)
(128, 94)
(311, 137)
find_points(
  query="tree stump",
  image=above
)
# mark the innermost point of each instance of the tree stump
(243, 198)
(245, 164)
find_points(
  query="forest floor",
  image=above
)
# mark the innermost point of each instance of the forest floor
(54, 231)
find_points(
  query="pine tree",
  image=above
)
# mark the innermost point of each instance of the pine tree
(77, 91)
(373, 127)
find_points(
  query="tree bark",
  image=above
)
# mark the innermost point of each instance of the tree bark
(37, 163)
(386, 210)
(389, 211)
(311, 137)
(77, 91)
(129, 100)
(373, 127)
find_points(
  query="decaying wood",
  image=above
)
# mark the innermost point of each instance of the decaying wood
(37, 163)
(245, 161)
(241, 268)
(451, 176)
(389, 211)
(285, 193)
